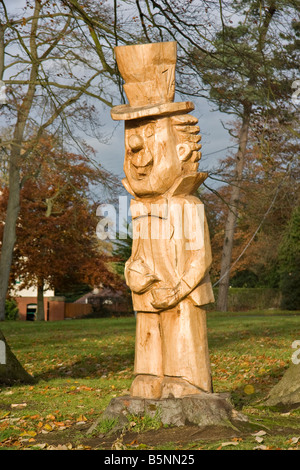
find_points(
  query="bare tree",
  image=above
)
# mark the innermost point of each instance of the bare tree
(59, 74)
(242, 56)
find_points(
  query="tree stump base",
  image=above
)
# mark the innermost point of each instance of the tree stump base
(203, 409)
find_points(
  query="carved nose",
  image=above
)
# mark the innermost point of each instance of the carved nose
(142, 159)
(136, 143)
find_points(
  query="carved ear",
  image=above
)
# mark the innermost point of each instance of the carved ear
(183, 151)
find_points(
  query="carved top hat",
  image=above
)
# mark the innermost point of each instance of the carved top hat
(149, 74)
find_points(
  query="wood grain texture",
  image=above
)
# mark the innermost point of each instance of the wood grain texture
(168, 271)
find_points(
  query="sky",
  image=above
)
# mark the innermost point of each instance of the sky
(215, 139)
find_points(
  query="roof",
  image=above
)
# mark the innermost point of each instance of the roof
(98, 293)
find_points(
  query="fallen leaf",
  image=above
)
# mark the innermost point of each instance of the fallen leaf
(34, 417)
(134, 443)
(47, 427)
(41, 446)
(249, 389)
(259, 433)
(118, 444)
(259, 439)
(81, 418)
(232, 443)
(59, 423)
(18, 405)
(28, 433)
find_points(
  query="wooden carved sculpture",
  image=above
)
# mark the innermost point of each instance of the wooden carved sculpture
(171, 255)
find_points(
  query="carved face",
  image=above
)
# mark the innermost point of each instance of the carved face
(151, 161)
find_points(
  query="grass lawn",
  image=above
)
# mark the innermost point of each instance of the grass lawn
(82, 364)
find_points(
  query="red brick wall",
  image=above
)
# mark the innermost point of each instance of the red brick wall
(54, 310)
(22, 305)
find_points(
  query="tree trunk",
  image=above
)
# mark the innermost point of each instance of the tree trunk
(235, 194)
(40, 301)
(9, 233)
(11, 371)
(13, 206)
(233, 214)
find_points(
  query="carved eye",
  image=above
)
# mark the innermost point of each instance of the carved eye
(149, 131)
(136, 142)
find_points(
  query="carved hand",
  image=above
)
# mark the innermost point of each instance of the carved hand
(139, 276)
(164, 298)
(168, 297)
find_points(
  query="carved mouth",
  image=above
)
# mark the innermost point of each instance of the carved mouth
(140, 172)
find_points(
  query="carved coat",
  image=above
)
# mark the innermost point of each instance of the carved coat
(171, 244)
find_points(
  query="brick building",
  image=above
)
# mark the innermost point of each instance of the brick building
(56, 309)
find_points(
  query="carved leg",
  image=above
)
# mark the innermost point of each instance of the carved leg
(171, 353)
(148, 357)
(186, 363)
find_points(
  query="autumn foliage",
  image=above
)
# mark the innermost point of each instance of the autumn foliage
(269, 195)
(56, 231)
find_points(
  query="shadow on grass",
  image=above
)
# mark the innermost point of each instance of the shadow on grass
(92, 367)
(228, 333)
